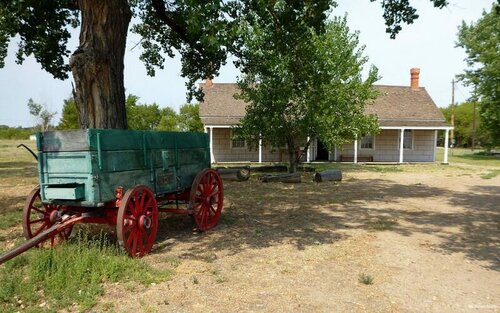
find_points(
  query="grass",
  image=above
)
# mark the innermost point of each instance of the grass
(382, 224)
(491, 174)
(195, 280)
(48, 280)
(365, 279)
(459, 155)
(10, 218)
(219, 279)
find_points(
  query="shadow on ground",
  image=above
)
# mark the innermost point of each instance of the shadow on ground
(258, 215)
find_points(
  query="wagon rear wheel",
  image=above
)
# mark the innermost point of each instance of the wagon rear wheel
(38, 216)
(137, 221)
(206, 199)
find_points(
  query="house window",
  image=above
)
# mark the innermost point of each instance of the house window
(236, 142)
(408, 139)
(366, 142)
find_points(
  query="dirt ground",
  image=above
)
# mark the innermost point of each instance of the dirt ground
(429, 236)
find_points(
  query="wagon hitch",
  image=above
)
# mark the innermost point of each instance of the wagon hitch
(58, 227)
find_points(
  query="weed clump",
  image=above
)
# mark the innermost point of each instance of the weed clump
(365, 279)
(72, 273)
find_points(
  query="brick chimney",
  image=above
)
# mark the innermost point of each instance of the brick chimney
(208, 82)
(415, 75)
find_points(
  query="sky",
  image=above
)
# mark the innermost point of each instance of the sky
(428, 43)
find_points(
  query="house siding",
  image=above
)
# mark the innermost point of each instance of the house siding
(223, 152)
(386, 147)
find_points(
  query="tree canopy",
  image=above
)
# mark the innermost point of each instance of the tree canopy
(69, 116)
(143, 116)
(189, 118)
(481, 41)
(202, 32)
(302, 83)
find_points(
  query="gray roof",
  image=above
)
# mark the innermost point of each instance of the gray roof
(396, 106)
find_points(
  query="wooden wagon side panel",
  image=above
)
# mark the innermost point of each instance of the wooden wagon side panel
(99, 160)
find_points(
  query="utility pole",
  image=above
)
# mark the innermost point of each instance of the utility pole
(452, 132)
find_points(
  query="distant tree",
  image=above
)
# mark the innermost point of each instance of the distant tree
(142, 116)
(69, 116)
(189, 118)
(169, 120)
(42, 115)
(463, 120)
(300, 83)
(481, 41)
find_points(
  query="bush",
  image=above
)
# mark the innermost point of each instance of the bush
(16, 133)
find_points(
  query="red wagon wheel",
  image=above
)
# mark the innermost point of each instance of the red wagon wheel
(38, 216)
(137, 221)
(206, 199)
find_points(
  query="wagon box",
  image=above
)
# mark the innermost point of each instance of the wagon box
(120, 177)
(96, 161)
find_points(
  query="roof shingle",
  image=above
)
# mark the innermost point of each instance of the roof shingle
(396, 106)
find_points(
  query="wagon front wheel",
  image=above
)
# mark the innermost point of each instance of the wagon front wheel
(206, 199)
(137, 221)
(39, 216)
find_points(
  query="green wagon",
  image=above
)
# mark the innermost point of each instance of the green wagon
(120, 177)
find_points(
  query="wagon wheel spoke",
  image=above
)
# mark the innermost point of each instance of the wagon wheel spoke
(142, 207)
(38, 210)
(44, 225)
(214, 193)
(36, 221)
(128, 227)
(130, 237)
(148, 205)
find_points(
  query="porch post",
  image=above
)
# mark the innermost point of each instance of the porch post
(308, 156)
(212, 144)
(446, 138)
(260, 149)
(355, 151)
(401, 144)
(434, 146)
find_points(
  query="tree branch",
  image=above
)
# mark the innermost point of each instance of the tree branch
(163, 15)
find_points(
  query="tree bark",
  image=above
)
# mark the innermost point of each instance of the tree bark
(282, 178)
(328, 175)
(239, 174)
(97, 64)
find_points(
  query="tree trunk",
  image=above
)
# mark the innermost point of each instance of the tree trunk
(282, 178)
(328, 175)
(97, 64)
(239, 174)
(292, 159)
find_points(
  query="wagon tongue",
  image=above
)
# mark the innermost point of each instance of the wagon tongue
(58, 227)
